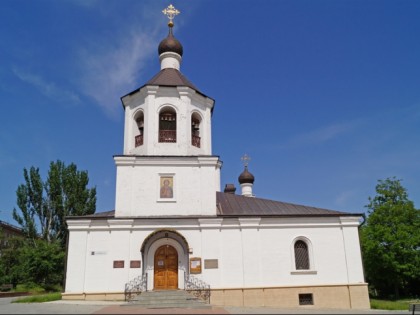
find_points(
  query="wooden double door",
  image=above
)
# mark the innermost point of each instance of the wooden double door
(166, 268)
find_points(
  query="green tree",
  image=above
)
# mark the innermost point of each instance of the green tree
(42, 264)
(68, 195)
(31, 262)
(45, 205)
(391, 240)
(30, 200)
(10, 262)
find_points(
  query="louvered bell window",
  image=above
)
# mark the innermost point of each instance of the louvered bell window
(301, 256)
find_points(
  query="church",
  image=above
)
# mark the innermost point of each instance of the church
(173, 228)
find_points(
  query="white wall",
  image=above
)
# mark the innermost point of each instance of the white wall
(76, 260)
(195, 180)
(251, 252)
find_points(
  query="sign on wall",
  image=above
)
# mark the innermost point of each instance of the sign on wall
(211, 263)
(195, 265)
(135, 263)
(118, 263)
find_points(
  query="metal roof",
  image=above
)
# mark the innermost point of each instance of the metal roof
(238, 206)
(105, 214)
(170, 77)
(231, 205)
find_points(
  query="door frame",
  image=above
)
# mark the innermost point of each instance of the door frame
(166, 267)
(149, 257)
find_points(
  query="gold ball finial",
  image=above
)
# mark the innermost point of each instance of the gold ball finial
(171, 24)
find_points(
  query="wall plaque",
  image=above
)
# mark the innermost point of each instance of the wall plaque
(135, 263)
(118, 263)
(211, 263)
(195, 265)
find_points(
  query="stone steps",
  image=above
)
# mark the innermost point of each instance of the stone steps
(168, 299)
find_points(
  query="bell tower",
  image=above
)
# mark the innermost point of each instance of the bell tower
(167, 166)
(168, 115)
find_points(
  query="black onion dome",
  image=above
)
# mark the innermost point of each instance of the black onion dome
(246, 177)
(170, 44)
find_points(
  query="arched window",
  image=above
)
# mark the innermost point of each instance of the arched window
(301, 255)
(140, 126)
(195, 130)
(167, 125)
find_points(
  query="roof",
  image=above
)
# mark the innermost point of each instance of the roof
(170, 77)
(231, 205)
(240, 206)
(10, 227)
(104, 214)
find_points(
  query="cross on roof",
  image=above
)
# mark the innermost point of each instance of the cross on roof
(245, 159)
(170, 12)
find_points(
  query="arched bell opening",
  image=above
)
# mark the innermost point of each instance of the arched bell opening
(167, 125)
(195, 130)
(139, 132)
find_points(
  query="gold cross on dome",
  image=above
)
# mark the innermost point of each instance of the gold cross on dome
(245, 159)
(170, 12)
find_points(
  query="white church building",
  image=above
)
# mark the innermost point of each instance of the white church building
(174, 229)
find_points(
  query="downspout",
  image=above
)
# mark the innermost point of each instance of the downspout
(360, 242)
(65, 261)
(364, 219)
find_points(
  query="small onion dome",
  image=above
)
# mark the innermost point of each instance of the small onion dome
(230, 189)
(170, 44)
(246, 177)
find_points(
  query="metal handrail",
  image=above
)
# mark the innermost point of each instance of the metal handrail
(197, 287)
(195, 141)
(138, 140)
(167, 135)
(135, 287)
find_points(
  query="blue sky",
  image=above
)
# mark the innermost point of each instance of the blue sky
(323, 95)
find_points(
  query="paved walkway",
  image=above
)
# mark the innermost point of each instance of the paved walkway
(100, 307)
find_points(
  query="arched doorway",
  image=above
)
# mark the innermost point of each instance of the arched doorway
(166, 268)
(151, 245)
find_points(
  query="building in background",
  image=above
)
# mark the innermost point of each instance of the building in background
(8, 231)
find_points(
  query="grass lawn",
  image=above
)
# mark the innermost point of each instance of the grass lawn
(391, 305)
(47, 297)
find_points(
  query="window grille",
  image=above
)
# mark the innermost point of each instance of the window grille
(306, 299)
(301, 256)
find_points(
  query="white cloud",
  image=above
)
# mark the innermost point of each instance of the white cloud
(49, 89)
(324, 134)
(112, 66)
(109, 72)
(344, 198)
